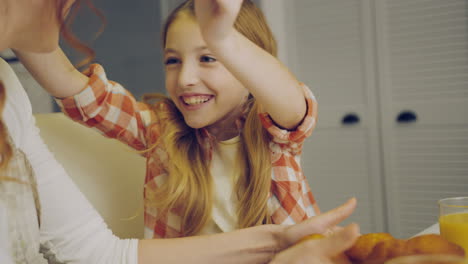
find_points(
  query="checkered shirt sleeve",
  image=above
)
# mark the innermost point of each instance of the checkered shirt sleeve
(110, 109)
(292, 200)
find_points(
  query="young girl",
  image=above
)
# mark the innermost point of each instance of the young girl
(223, 150)
(44, 218)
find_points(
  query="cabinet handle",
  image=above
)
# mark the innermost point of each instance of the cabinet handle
(407, 117)
(350, 119)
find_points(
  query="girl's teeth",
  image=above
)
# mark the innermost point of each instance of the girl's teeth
(196, 100)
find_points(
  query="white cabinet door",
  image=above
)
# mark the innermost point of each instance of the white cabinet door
(423, 64)
(330, 48)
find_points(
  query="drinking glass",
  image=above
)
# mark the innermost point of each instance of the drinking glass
(453, 220)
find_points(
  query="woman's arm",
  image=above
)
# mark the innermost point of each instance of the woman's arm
(265, 76)
(70, 228)
(252, 245)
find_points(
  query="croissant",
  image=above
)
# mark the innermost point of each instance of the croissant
(376, 248)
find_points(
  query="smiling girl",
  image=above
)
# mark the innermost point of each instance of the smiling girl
(223, 149)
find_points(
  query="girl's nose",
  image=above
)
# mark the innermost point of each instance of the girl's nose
(188, 76)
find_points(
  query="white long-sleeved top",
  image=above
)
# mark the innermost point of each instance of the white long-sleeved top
(70, 228)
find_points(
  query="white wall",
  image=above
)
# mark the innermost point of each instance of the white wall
(274, 11)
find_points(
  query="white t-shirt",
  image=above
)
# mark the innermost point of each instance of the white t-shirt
(225, 170)
(71, 229)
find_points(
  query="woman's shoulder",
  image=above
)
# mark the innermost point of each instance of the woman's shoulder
(13, 88)
(17, 111)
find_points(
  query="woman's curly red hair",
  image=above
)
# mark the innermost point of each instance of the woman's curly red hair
(65, 21)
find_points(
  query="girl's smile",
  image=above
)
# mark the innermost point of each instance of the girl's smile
(193, 101)
(204, 91)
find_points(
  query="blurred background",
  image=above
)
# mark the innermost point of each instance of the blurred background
(390, 76)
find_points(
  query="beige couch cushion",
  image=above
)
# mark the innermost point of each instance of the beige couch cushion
(109, 173)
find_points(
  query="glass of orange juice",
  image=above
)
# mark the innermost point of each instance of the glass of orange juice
(428, 259)
(453, 220)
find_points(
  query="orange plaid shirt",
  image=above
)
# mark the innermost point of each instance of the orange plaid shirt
(114, 112)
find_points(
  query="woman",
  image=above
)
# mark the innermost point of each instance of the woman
(50, 221)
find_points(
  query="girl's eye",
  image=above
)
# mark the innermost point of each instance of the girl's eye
(207, 59)
(170, 61)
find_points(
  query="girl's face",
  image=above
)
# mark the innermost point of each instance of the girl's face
(33, 24)
(206, 93)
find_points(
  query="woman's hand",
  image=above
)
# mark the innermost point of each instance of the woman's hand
(320, 251)
(326, 250)
(216, 18)
(258, 244)
(321, 224)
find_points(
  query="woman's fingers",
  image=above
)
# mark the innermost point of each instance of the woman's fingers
(321, 223)
(337, 215)
(338, 242)
(320, 251)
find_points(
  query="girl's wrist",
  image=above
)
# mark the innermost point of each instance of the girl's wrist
(221, 45)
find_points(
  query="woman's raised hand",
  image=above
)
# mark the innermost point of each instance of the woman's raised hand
(216, 18)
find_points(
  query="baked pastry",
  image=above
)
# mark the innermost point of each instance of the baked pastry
(340, 259)
(432, 244)
(376, 248)
(365, 244)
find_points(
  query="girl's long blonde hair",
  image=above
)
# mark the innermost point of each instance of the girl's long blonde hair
(189, 185)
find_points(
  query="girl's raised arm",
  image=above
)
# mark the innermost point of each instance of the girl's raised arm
(92, 101)
(269, 81)
(54, 72)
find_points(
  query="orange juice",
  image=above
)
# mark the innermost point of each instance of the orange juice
(454, 227)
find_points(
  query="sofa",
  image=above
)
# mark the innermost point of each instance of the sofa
(109, 173)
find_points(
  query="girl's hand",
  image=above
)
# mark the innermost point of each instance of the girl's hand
(216, 18)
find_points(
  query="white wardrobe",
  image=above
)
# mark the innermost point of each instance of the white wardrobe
(391, 78)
